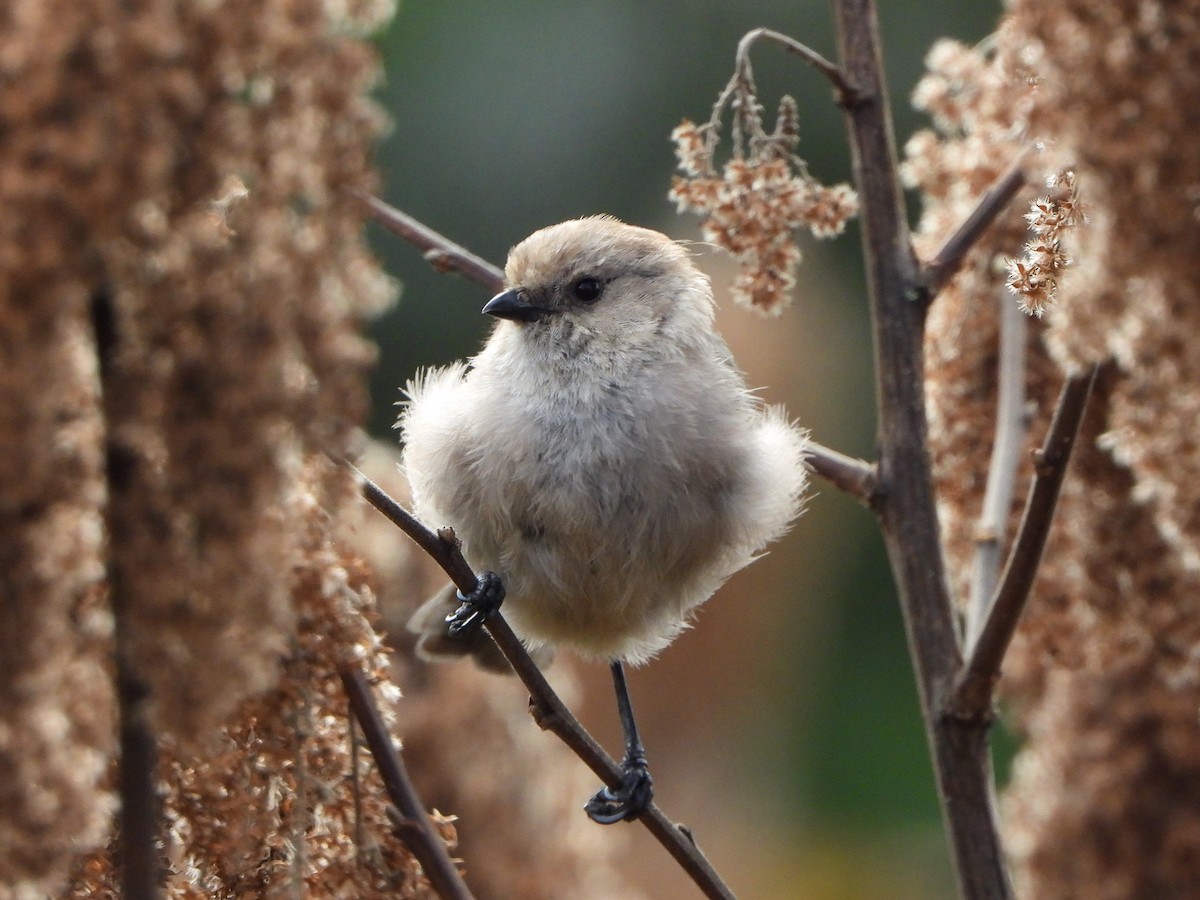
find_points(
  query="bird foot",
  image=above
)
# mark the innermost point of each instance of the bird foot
(629, 800)
(477, 606)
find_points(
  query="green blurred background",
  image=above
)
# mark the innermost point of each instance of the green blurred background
(784, 728)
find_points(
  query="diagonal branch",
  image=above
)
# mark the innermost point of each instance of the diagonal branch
(950, 256)
(548, 709)
(440, 252)
(972, 696)
(411, 822)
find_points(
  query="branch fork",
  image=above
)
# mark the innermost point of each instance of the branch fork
(972, 696)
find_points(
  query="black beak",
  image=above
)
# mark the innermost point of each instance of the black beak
(515, 306)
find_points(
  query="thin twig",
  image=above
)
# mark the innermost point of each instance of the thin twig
(972, 697)
(356, 783)
(413, 826)
(845, 91)
(856, 477)
(441, 253)
(548, 709)
(950, 256)
(437, 547)
(1002, 469)
(300, 825)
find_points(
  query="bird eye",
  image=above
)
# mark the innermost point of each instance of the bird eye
(588, 290)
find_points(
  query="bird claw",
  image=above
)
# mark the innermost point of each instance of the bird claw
(477, 606)
(629, 800)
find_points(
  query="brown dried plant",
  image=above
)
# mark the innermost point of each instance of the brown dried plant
(239, 280)
(279, 802)
(1034, 278)
(980, 100)
(1102, 680)
(762, 196)
(185, 168)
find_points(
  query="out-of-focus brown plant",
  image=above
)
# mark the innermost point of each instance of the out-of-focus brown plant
(182, 287)
(280, 802)
(1102, 680)
(237, 280)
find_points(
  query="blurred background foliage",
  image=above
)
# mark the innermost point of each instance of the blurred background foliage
(784, 728)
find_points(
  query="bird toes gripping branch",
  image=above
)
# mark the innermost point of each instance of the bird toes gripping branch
(477, 606)
(626, 802)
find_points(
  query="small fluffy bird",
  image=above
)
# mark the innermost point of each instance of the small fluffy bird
(602, 455)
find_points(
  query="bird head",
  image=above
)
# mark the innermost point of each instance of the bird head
(599, 282)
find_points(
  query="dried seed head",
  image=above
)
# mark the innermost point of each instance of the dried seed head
(763, 195)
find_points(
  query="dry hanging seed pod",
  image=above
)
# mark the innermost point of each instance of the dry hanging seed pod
(763, 194)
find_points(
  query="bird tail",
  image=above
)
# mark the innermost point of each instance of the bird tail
(436, 644)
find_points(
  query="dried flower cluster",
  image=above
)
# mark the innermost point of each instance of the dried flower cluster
(280, 804)
(967, 92)
(56, 696)
(1034, 277)
(1103, 677)
(125, 130)
(762, 196)
(980, 100)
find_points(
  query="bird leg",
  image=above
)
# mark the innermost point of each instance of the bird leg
(628, 801)
(476, 606)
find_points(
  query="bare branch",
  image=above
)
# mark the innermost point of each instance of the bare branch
(845, 91)
(441, 550)
(906, 504)
(441, 252)
(950, 256)
(413, 824)
(854, 476)
(547, 708)
(972, 697)
(1002, 469)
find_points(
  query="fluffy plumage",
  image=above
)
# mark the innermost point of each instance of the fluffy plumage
(602, 453)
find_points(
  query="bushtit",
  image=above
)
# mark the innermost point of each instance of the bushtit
(602, 454)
